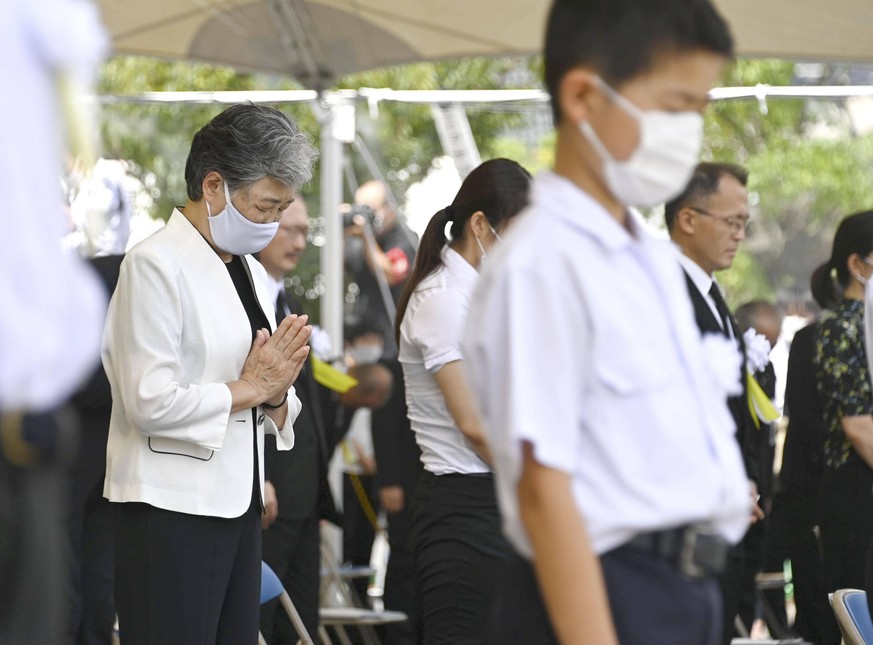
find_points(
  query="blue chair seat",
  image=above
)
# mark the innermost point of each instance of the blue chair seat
(853, 616)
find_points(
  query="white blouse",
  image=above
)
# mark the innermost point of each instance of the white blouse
(430, 337)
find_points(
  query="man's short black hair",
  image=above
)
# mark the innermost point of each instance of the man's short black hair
(621, 39)
(703, 183)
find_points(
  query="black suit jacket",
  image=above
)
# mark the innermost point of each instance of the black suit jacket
(299, 475)
(93, 403)
(803, 455)
(738, 405)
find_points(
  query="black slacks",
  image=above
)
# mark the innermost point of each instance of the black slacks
(292, 549)
(845, 510)
(91, 542)
(651, 603)
(33, 558)
(731, 584)
(459, 551)
(187, 579)
(846, 524)
(791, 533)
(401, 589)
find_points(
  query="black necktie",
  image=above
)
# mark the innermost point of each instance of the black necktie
(723, 311)
(281, 307)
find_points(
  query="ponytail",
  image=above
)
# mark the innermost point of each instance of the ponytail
(428, 259)
(824, 287)
(498, 188)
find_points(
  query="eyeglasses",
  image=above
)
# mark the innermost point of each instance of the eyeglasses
(734, 222)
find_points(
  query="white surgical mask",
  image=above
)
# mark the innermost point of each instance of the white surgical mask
(365, 354)
(236, 234)
(664, 160)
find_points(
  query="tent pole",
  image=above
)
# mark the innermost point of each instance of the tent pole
(337, 118)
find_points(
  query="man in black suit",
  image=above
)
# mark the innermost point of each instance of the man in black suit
(707, 222)
(296, 493)
(762, 553)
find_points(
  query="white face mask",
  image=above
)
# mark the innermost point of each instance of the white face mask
(365, 354)
(664, 160)
(236, 234)
(864, 281)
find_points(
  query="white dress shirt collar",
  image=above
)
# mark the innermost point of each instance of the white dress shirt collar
(701, 279)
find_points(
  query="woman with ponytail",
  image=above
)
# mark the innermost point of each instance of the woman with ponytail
(843, 382)
(455, 528)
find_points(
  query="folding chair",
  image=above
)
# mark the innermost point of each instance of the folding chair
(853, 616)
(271, 587)
(350, 613)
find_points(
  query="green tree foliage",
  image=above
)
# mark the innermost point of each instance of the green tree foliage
(807, 171)
(404, 135)
(157, 137)
(807, 168)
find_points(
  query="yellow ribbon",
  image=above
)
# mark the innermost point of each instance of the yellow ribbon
(760, 405)
(332, 378)
(363, 498)
(13, 446)
(79, 119)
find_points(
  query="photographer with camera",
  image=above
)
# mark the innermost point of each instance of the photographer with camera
(379, 254)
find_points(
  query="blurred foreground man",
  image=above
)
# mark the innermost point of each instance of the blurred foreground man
(51, 306)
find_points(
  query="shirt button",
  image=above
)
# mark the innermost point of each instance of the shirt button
(261, 420)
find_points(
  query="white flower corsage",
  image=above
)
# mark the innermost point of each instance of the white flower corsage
(757, 350)
(724, 363)
(320, 343)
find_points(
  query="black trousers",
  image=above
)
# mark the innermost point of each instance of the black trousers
(651, 603)
(291, 548)
(792, 535)
(34, 566)
(731, 584)
(93, 574)
(358, 532)
(187, 579)
(401, 588)
(846, 524)
(845, 510)
(459, 551)
(91, 543)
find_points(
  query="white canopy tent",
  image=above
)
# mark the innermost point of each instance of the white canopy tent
(317, 41)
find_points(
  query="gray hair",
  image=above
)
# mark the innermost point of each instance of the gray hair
(246, 143)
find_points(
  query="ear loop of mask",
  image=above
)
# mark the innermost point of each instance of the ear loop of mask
(479, 242)
(861, 278)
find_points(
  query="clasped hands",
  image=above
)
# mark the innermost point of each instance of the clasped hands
(275, 361)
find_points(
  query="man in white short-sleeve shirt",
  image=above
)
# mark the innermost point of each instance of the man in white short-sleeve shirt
(618, 476)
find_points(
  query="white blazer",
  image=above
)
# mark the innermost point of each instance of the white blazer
(176, 333)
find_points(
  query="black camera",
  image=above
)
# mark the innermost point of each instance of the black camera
(359, 210)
